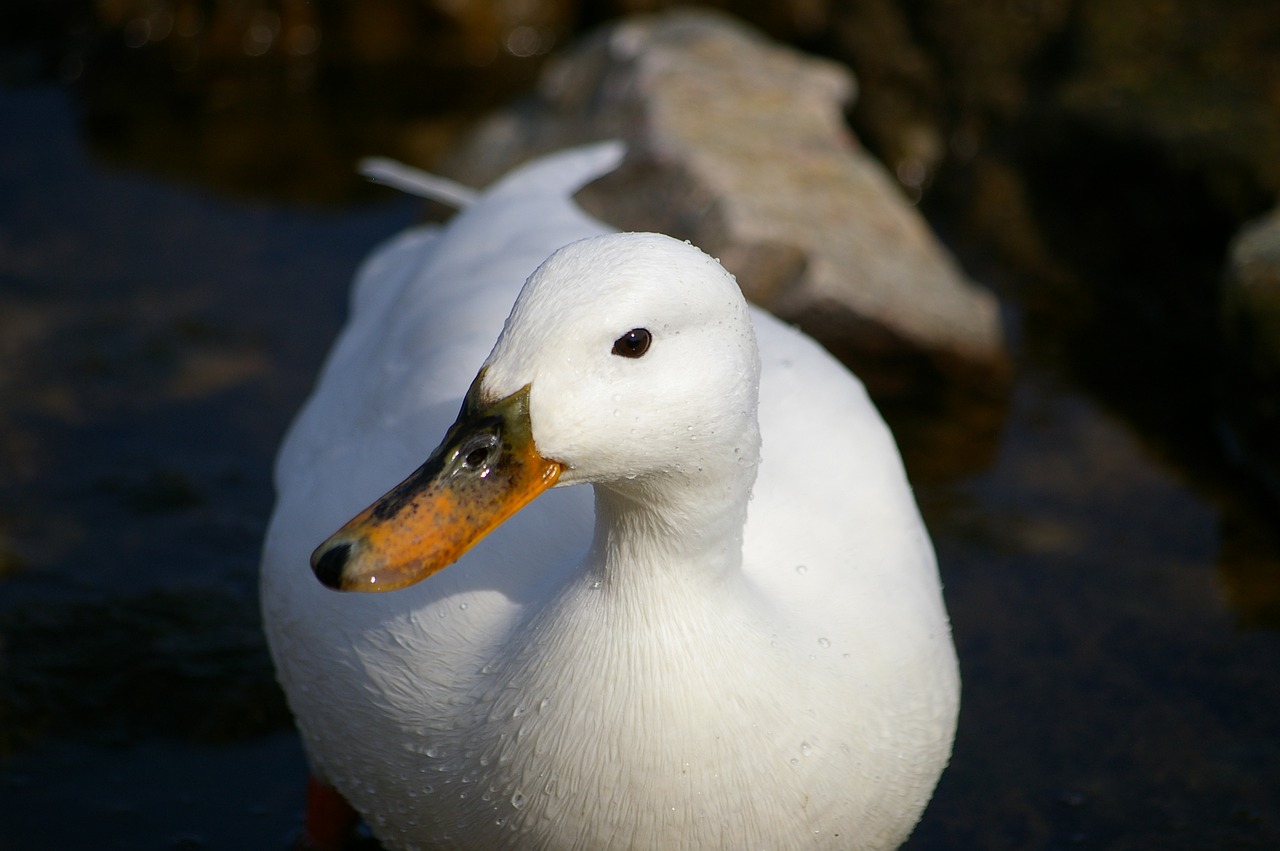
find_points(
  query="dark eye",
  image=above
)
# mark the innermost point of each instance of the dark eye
(633, 344)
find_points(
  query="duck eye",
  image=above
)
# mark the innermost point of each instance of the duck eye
(633, 344)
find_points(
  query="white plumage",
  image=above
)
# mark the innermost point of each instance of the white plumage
(684, 681)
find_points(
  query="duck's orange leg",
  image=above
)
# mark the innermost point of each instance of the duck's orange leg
(330, 821)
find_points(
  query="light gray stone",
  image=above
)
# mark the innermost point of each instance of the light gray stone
(1251, 298)
(1249, 378)
(740, 146)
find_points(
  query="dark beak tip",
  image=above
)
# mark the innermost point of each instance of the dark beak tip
(329, 562)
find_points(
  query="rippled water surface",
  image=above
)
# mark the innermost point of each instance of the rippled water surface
(1115, 605)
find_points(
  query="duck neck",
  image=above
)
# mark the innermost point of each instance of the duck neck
(684, 524)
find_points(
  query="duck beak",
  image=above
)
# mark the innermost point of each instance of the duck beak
(486, 469)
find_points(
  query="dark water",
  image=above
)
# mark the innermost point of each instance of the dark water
(155, 339)
(1114, 605)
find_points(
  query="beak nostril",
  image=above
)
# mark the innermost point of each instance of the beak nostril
(328, 563)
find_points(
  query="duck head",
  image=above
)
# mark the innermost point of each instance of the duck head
(628, 361)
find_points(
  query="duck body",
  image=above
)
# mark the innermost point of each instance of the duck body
(736, 639)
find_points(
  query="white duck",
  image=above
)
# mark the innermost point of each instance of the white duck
(746, 648)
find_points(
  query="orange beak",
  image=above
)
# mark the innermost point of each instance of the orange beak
(486, 469)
